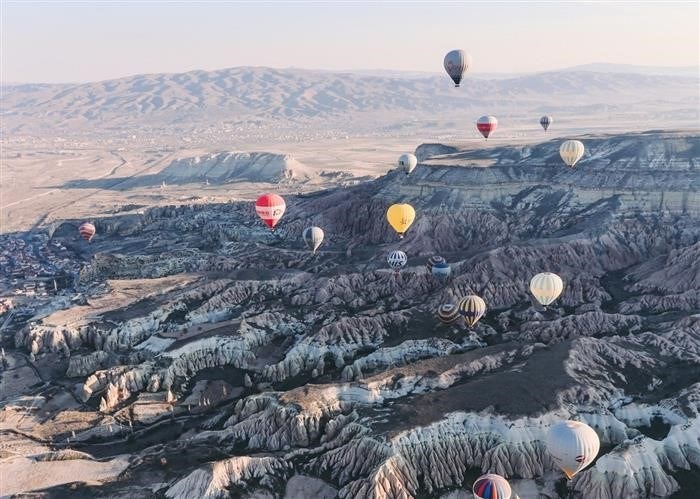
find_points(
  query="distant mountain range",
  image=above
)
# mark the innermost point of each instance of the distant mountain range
(238, 95)
(604, 67)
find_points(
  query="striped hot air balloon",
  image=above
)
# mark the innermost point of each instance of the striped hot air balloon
(545, 121)
(573, 445)
(432, 261)
(546, 287)
(270, 208)
(87, 231)
(492, 486)
(571, 151)
(457, 63)
(472, 308)
(448, 313)
(313, 237)
(486, 125)
(441, 271)
(397, 260)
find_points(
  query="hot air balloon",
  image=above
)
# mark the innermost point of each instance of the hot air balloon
(492, 486)
(433, 260)
(571, 151)
(472, 308)
(546, 287)
(486, 125)
(408, 162)
(270, 207)
(400, 217)
(441, 271)
(573, 445)
(545, 121)
(87, 231)
(397, 260)
(448, 313)
(457, 63)
(313, 237)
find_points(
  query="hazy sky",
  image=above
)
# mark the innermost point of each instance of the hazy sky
(83, 41)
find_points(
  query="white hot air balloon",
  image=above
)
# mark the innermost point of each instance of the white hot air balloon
(397, 260)
(486, 125)
(313, 237)
(571, 151)
(573, 446)
(407, 162)
(546, 287)
(457, 63)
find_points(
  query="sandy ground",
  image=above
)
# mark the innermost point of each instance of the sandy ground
(35, 174)
(122, 293)
(21, 474)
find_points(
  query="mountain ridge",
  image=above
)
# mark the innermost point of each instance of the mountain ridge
(239, 95)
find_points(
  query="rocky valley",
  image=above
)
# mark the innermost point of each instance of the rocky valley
(205, 356)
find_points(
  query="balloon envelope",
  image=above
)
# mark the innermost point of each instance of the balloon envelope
(397, 260)
(448, 313)
(270, 208)
(573, 446)
(457, 63)
(472, 308)
(400, 217)
(408, 162)
(545, 121)
(486, 125)
(546, 287)
(313, 237)
(492, 486)
(433, 260)
(87, 231)
(441, 271)
(571, 151)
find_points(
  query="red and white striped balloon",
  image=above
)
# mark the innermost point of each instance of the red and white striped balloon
(87, 231)
(486, 125)
(270, 207)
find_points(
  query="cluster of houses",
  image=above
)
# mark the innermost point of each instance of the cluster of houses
(35, 266)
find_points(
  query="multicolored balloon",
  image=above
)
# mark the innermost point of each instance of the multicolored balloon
(545, 121)
(400, 217)
(457, 63)
(573, 445)
(408, 163)
(441, 271)
(472, 308)
(432, 261)
(486, 125)
(313, 237)
(448, 313)
(86, 231)
(492, 486)
(397, 260)
(270, 208)
(546, 287)
(571, 151)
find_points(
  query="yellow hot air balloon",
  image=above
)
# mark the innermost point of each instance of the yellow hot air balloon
(400, 217)
(472, 308)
